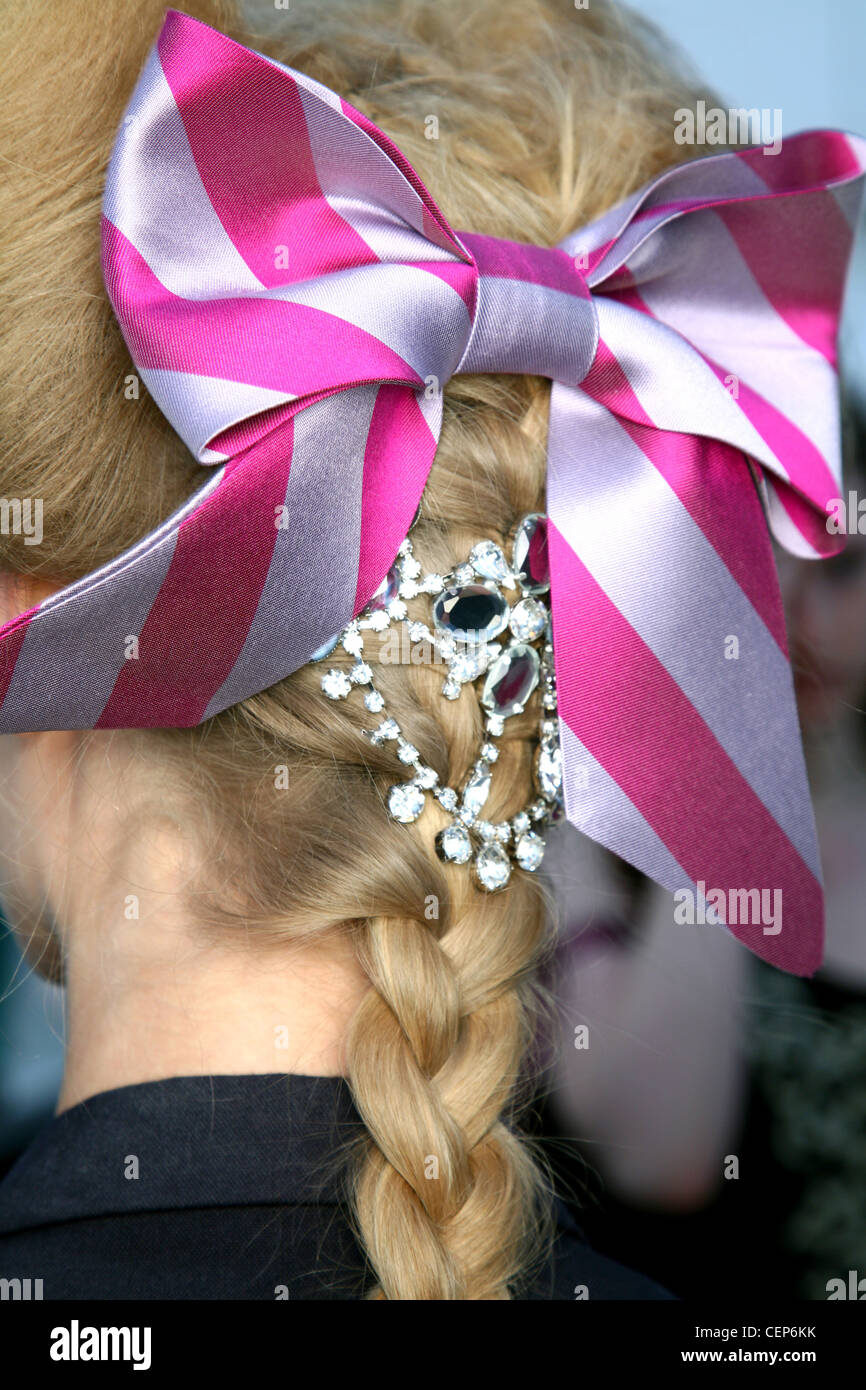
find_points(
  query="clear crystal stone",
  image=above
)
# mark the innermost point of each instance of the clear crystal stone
(336, 684)
(451, 690)
(326, 648)
(447, 646)
(529, 555)
(378, 620)
(529, 851)
(397, 609)
(361, 674)
(419, 632)
(503, 832)
(374, 701)
(520, 822)
(464, 574)
(386, 591)
(471, 613)
(538, 810)
(492, 866)
(389, 728)
(488, 560)
(495, 725)
(406, 802)
(548, 770)
(447, 798)
(490, 752)
(427, 777)
(407, 753)
(409, 567)
(485, 829)
(433, 584)
(477, 789)
(353, 643)
(454, 844)
(511, 680)
(528, 619)
(409, 589)
(466, 814)
(466, 666)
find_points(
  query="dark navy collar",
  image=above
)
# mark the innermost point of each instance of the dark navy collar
(187, 1141)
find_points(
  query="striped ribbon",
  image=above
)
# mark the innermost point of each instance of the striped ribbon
(294, 301)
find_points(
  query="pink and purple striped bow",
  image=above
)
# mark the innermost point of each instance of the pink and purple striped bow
(293, 299)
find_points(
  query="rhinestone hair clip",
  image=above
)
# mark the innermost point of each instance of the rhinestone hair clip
(469, 611)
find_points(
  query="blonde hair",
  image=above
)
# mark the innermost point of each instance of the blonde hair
(547, 116)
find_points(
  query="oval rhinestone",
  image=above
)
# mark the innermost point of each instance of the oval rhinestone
(406, 802)
(492, 866)
(529, 555)
(529, 851)
(454, 844)
(511, 680)
(471, 613)
(528, 619)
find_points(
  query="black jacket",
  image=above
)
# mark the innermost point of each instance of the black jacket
(216, 1187)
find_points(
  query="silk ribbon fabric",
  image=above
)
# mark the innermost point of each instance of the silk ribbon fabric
(294, 301)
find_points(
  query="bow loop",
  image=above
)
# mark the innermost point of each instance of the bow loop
(283, 251)
(736, 263)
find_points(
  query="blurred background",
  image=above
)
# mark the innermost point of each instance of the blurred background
(700, 1054)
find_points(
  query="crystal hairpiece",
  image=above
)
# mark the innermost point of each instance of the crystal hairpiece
(469, 611)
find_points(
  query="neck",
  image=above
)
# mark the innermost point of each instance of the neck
(158, 995)
(99, 866)
(233, 1011)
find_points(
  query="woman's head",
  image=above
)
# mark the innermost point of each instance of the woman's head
(266, 825)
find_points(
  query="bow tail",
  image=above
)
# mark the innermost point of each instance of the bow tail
(241, 585)
(680, 737)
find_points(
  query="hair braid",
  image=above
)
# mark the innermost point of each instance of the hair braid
(446, 1188)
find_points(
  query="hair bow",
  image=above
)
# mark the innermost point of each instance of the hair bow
(294, 301)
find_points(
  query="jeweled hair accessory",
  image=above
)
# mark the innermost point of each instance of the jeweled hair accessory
(470, 610)
(295, 301)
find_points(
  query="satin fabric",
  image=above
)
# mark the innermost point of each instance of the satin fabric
(295, 302)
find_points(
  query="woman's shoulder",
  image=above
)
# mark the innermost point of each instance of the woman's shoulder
(230, 1181)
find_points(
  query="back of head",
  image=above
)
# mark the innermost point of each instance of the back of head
(526, 119)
